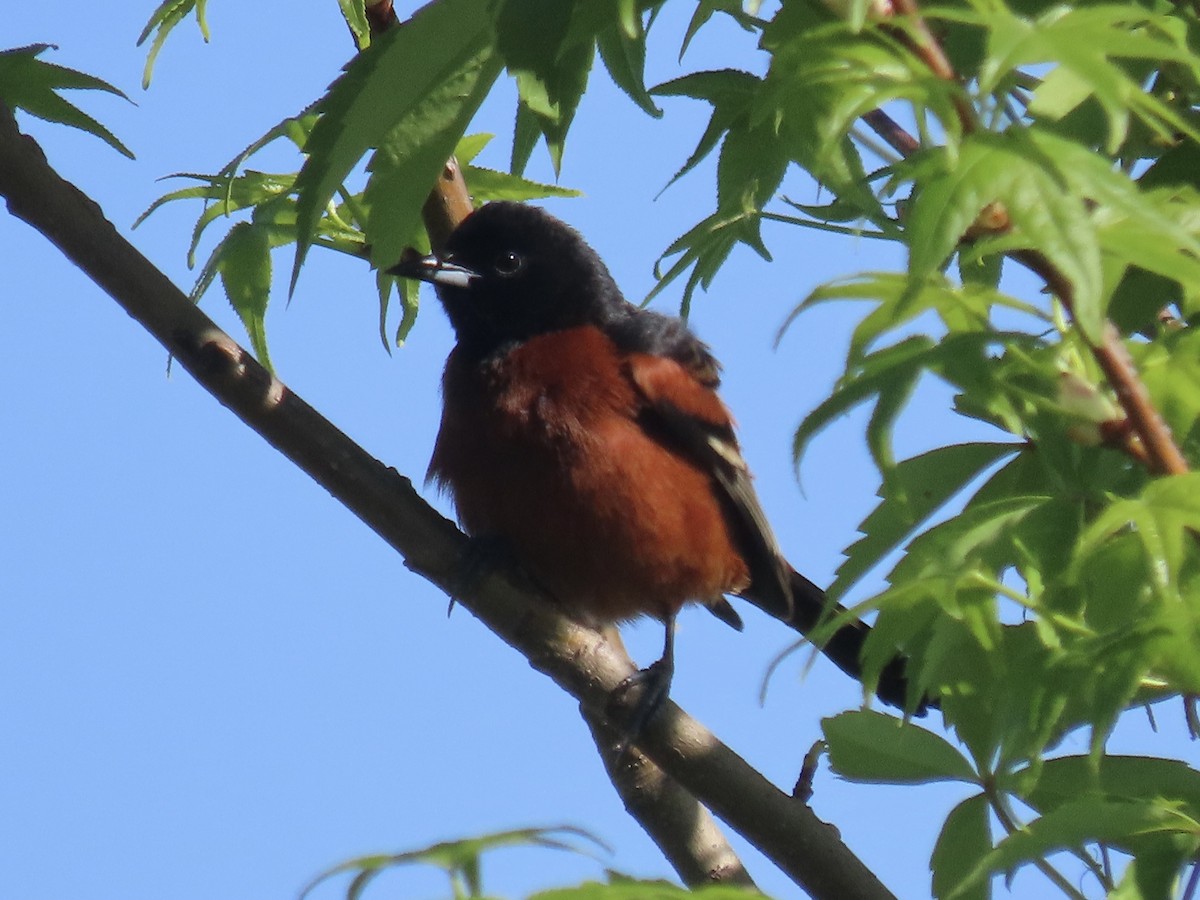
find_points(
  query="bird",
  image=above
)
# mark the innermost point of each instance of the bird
(584, 434)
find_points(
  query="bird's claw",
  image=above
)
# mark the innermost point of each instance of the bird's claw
(637, 699)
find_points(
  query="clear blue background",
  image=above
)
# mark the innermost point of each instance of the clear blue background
(214, 680)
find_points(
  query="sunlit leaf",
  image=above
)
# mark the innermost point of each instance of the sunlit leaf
(355, 14)
(871, 746)
(1083, 821)
(1044, 214)
(459, 857)
(913, 491)
(1165, 518)
(162, 22)
(403, 75)
(245, 269)
(29, 84)
(964, 839)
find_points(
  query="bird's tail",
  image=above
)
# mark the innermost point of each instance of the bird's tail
(811, 607)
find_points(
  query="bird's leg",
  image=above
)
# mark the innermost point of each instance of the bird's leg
(650, 687)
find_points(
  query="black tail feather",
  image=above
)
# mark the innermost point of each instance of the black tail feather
(811, 607)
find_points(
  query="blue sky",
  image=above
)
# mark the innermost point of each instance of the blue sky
(214, 680)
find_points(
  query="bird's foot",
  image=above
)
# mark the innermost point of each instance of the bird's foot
(481, 556)
(637, 699)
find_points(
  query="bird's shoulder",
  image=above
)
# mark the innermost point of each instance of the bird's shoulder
(643, 331)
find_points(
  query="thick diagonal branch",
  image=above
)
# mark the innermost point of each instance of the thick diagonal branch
(579, 659)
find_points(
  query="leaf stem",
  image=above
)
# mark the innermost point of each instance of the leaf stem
(825, 226)
(1011, 827)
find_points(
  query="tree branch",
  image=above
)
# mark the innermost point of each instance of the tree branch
(677, 823)
(578, 658)
(1163, 456)
(1162, 453)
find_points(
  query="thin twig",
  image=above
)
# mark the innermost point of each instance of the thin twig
(1163, 454)
(922, 42)
(890, 130)
(381, 16)
(1010, 827)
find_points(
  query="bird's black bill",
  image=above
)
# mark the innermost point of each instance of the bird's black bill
(434, 270)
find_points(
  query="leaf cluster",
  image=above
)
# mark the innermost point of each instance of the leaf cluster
(1046, 580)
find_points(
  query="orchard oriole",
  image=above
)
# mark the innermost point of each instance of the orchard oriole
(586, 435)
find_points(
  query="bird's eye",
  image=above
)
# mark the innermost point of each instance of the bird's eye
(508, 263)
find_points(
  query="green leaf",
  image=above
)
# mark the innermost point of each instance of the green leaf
(746, 179)
(551, 62)
(1064, 779)
(868, 746)
(624, 57)
(1091, 47)
(825, 75)
(730, 91)
(406, 76)
(749, 171)
(963, 841)
(408, 290)
(889, 375)
(1179, 165)
(245, 269)
(706, 9)
(486, 185)
(914, 490)
(470, 146)
(162, 22)
(411, 155)
(355, 14)
(1084, 821)
(459, 858)
(525, 137)
(28, 84)
(703, 249)
(1170, 370)
(965, 308)
(1045, 215)
(1136, 227)
(224, 196)
(1165, 518)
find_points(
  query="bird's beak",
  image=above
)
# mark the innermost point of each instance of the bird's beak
(434, 270)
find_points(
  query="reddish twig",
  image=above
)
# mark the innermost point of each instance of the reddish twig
(381, 16)
(447, 205)
(891, 132)
(1162, 454)
(922, 42)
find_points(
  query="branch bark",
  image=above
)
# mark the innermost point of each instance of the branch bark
(578, 658)
(678, 824)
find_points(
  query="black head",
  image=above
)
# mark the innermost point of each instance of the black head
(510, 272)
